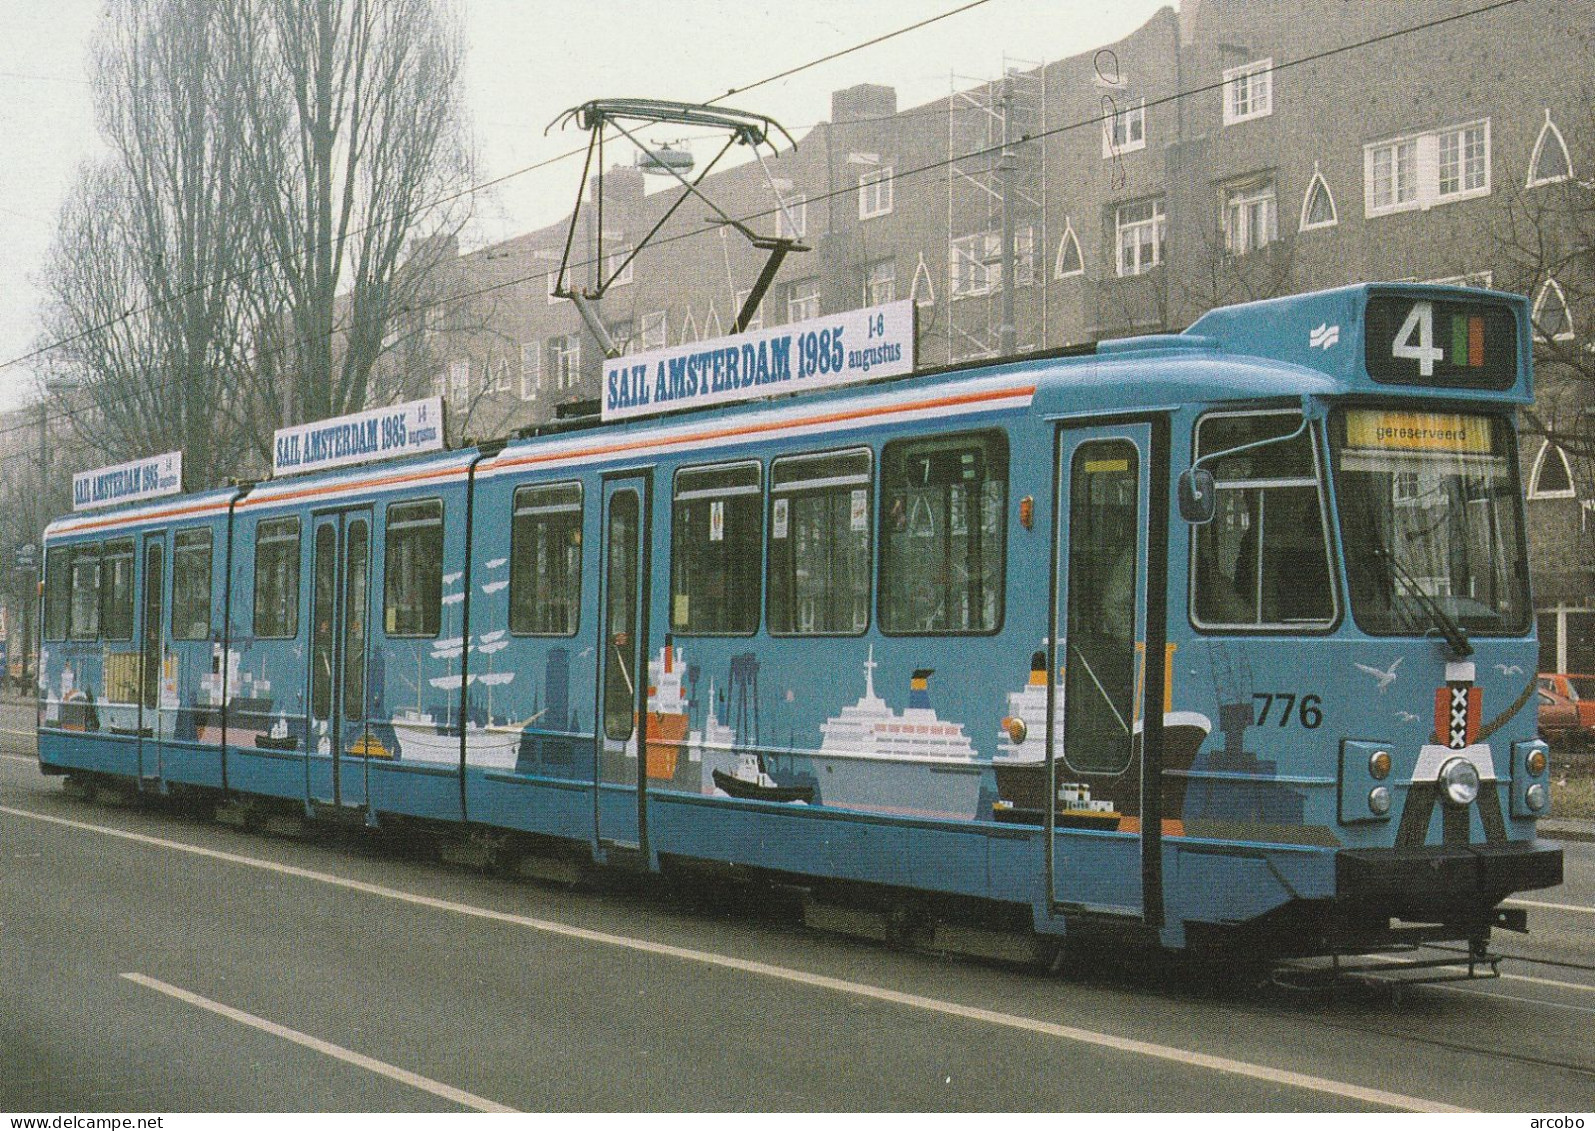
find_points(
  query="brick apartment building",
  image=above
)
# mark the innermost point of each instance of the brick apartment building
(1227, 150)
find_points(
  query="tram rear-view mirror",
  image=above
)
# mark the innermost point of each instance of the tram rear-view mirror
(1197, 500)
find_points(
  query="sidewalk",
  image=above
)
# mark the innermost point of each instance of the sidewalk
(1567, 828)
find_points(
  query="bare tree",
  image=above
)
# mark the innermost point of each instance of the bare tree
(143, 284)
(356, 141)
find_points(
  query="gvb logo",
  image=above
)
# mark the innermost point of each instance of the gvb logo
(1323, 336)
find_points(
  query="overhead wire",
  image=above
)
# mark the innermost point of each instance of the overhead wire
(933, 166)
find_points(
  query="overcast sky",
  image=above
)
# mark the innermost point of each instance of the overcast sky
(528, 61)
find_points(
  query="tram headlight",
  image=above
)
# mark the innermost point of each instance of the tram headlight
(1379, 765)
(1536, 762)
(1379, 800)
(1537, 796)
(1017, 731)
(1459, 782)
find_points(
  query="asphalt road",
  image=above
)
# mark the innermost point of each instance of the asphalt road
(150, 961)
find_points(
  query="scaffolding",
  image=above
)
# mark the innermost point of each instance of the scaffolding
(996, 161)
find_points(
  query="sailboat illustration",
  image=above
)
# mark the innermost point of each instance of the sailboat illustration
(490, 742)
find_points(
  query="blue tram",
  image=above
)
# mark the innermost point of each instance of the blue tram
(1221, 638)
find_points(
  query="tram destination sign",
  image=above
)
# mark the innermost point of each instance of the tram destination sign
(128, 482)
(821, 353)
(377, 433)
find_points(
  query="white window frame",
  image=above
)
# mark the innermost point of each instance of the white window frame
(799, 304)
(1548, 131)
(1534, 491)
(565, 360)
(553, 278)
(459, 380)
(1546, 288)
(880, 282)
(1246, 208)
(974, 262)
(875, 193)
(757, 321)
(798, 205)
(531, 369)
(614, 257)
(1306, 204)
(1254, 81)
(501, 376)
(1133, 121)
(1157, 224)
(1417, 164)
(655, 333)
(922, 271)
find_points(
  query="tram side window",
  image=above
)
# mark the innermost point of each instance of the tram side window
(820, 544)
(546, 560)
(943, 534)
(277, 578)
(1263, 562)
(414, 585)
(716, 550)
(116, 590)
(191, 563)
(86, 593)
(57, 592)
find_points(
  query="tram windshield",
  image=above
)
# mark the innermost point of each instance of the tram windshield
(1430, 518)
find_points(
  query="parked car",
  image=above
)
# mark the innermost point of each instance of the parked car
(1567, 707)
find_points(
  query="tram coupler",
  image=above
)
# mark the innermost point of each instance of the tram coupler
(1512, 919)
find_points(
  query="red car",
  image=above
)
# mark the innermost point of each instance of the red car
(1567, 707)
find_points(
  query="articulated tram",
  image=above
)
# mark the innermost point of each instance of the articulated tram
(1217, 639)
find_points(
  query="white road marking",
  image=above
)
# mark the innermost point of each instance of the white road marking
(800, 977)
(337, 1052)
(1550, 906)
(1462, 966)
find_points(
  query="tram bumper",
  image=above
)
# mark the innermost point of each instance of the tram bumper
(1442, 882)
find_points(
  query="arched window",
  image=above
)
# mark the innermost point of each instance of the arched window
(1552, 477)
(1552, 320)
(1318, 206)
(711, 324)
(1069, 262)
(689, 327)
(923, 291)
(1550, 162)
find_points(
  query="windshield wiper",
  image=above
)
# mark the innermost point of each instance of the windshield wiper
(1455, 635)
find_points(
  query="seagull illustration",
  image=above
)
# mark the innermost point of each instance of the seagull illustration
(1406, 716)
(1386, 677)
(1504, 670)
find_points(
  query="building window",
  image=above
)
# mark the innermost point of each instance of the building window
(459, 381)
(553, 281)
(1249, 216)
(1139, 236)
(1553, 322)
(501, 376)
(1318, 206)
(624, 337)
(756, 322)
(875, 193)
(655, 331)
(1124, 131)
(944, 505)
(1550, 162)
(975, 264)
(1552, 477)
(413, 597)
(531, 369)
(1069, 262)
(277, 579)
(191, 569)
(546, 560)
(1248, 92)
(565, 360)
(880, 283)
(615, 256)
(1427, 169)
(792, 222)
(803, 300)
(820, 544)
(689, 328)
(922, 290)
(716, 549)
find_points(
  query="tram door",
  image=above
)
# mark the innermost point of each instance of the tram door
(340, 744)
(1103, 801)
(619, 796)
(157, 692)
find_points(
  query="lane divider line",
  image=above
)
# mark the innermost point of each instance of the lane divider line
(326, 1048)
(1264, 1073)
